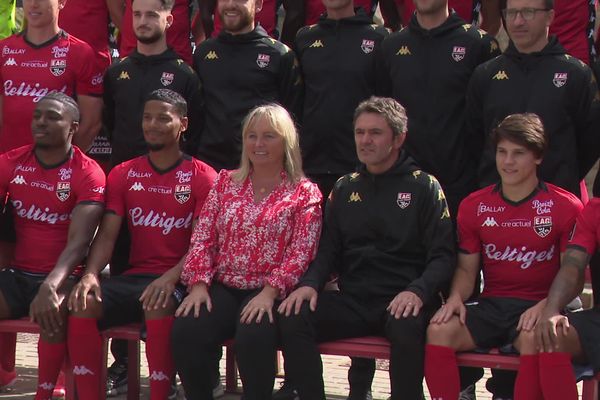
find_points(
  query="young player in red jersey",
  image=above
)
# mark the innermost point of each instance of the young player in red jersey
(40, 60)
(159, 195)
(517, 229)
(57, 196)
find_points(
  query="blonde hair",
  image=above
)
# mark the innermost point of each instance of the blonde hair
(282, 123)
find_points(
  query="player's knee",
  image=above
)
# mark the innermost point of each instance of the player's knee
(441, 334)
(525, 342)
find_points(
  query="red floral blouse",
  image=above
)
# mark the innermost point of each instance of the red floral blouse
(247, 245)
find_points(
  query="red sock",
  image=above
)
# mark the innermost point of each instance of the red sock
(85, 352)
(50, 360)
(8, 349)
(557, 377)
(441, 372)
(160, 359)
(527, 385)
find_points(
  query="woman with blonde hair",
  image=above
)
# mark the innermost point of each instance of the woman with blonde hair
(255, 237)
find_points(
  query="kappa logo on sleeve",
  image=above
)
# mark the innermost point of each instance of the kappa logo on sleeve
(354, 198)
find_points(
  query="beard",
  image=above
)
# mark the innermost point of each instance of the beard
(153, 38)
(245, 21)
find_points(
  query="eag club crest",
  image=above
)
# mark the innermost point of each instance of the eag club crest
(560, 79)
(58, 66)
(63, 190)
(183, 193)
(367, 46)
(403, 200)
(263, 60)
(542, 226)
(458, 53)
(167, 78)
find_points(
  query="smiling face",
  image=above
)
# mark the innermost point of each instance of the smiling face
(52, 126)
(150, 20)
(515, 163)
(376, 145)
(237, 16)
(264, 146)
(42, 13)
(162, 125)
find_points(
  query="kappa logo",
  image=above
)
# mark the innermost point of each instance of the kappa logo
(137, 187)
(183, 193)
(63, 190)
(500, 76)
(416, 174)
(10, 62)
(123, 75)
(211, 55)
(446, 213)
(466, 27)
(404, 51)
(458, 53)
(542, 226)
(403, 200)
(19, 180)
(58, 67)
(167, 78)
(354, 198)
(81, 370)
(263, 60)
(159, 376)
(317, 44)
(367, 46)
(46, 386)
(560, 79)
(490, 222)
(493, 46)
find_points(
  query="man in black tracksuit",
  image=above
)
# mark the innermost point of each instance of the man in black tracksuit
(388, 236)
(126, 85)
(427, 67)
(546, 81)
(337, 58)
(240, 69)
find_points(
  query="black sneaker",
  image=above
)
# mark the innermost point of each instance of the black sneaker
(286, 392)
(468, 393)
(367, 396)
(116, 382)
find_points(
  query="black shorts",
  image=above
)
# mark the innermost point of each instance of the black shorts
(7, 224)
(120, 299)
(587, 324)
(493, 322)
(19, 288)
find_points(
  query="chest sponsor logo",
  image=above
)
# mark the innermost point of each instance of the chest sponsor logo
(516, 223)
(354, 198)
(560, 79)
(137, 187)
(159, 219)
(97, 80)
(403, 51)
(263, 60)
(35, 213)
(134, 174)
(542, 207)
(7, 51)
(500, 76)
(458, 53)
(10, 62)
(167, 78)
(490, 222)
(124, 75)
(160, 189)
(211, 55)
(183, 193)
(99, 189)
(542, 226)
(26, 168)
(521, 255)
(367, 46)
(19, 180)
(184, 176)
(34, 64)
(60, 52)
(403, 200)
(482, 208)
(63, 190)
(317, 44)
(58, 67)
(43, 185)
(26, 90)
(65, 174)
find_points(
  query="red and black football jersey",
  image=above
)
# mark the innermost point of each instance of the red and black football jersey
(587, 229)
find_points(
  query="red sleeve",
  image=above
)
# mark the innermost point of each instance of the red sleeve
(468, 230)
(90, 187)
(5, 174)
(203, 181)
(585, 236)
(115, 191)
(89, 72)
(573, 211)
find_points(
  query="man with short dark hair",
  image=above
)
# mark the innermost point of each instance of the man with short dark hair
(388, 236)
(517, 229)
(57, 197)
(159, 195)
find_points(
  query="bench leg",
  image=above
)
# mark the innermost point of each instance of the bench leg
(590, 390)
(133, 370)
(231, 375)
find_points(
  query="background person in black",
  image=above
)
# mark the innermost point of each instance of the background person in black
(240, 69)
(388, 235)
